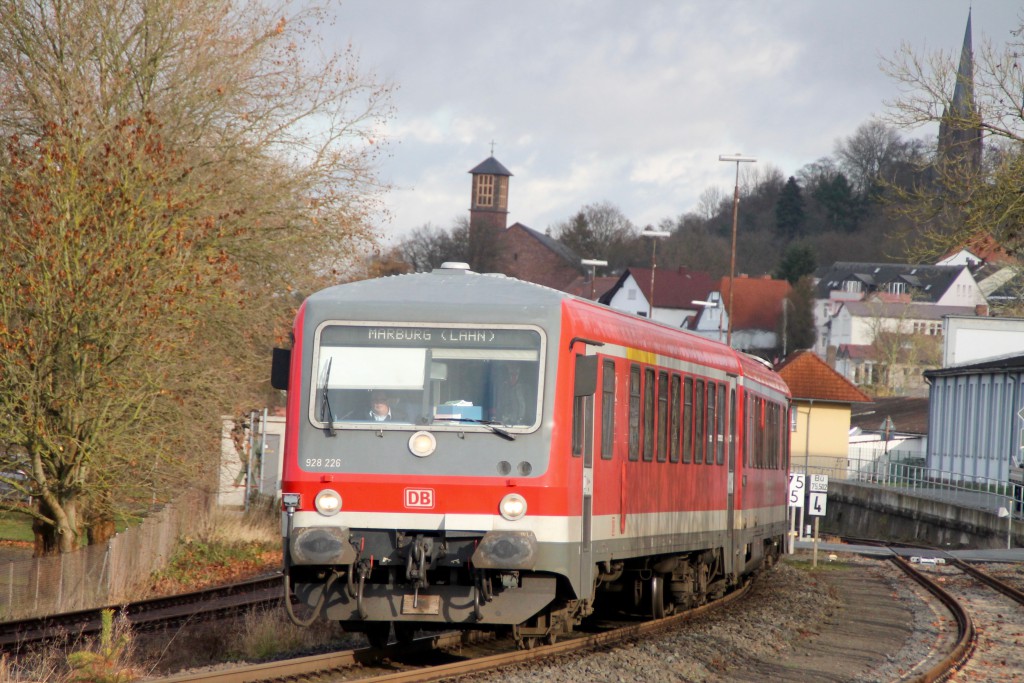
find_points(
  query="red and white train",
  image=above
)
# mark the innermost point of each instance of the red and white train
(541, 454)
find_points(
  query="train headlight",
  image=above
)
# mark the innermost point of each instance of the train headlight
(512, 507)
(328, 502)
(422, 444)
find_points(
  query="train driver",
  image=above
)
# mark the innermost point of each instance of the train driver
(511, 408)
(380, 407)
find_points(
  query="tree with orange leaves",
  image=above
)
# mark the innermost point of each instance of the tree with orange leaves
(175, 174)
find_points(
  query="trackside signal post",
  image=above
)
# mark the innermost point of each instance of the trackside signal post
(818, 490)
(796, 500)
(815, 488)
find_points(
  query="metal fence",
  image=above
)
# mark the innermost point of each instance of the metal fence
(100, 575)
(906, 471)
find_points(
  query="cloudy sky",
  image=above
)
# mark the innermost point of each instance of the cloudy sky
(629, 101)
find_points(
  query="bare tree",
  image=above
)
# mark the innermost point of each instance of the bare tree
(711, 202)
(596, 231)
(962, 201)
(428, 246)
(901, 346)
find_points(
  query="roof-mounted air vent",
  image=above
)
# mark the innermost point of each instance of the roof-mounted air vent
(454, 265)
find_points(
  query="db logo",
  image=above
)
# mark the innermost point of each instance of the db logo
(419, 498)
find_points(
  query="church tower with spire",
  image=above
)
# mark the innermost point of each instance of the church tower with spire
(488, 213)
(960, 127)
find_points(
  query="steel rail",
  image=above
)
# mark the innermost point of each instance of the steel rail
(967, 637)
(989, 580)
(285, 669)
(146, 614)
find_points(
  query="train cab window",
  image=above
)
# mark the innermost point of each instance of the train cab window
(712, 423)
(673, 420)
(453, 376)
(634, 412)
(648, 418)
(699, 422)
(607, 409)
(687, 419)
(662, 451)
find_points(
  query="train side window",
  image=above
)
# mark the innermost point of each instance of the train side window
(634, 412)
(662, 451)
(699, 422)
(748, 430)
(787, 436)
(762, 435)
(687, 419)
(673, 420)
(732, 428)
(607, 409)
(712, 423)
(582, 427)
(648, 420)
(720, 448)
(776, 435)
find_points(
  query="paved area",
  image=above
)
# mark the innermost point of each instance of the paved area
(985, 555)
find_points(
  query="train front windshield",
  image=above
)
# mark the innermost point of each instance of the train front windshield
(368, 375)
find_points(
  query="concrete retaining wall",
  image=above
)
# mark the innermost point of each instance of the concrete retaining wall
(866, 511)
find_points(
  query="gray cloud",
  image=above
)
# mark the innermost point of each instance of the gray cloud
(628, 102)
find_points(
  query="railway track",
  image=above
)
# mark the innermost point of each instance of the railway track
(441, 657)
(145, 615)
(988, 616)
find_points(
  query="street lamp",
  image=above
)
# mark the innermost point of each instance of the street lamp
(593, 263)
(654, 235)
(738, 159)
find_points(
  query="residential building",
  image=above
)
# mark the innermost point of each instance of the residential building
(675, 292)
(880, 324)
(757, 312)
(820, 414)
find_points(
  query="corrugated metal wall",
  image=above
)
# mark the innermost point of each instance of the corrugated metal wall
(973, 427)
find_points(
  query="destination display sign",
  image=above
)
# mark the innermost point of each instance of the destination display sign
(434, 337)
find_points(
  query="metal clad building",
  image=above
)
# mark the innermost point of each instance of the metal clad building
(974, 428)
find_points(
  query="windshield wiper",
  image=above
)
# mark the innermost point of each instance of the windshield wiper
(325, 402)
(490, 424)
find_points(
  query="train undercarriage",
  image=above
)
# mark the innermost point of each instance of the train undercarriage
(422, 582)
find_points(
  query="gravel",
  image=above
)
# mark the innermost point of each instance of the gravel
(798, 624)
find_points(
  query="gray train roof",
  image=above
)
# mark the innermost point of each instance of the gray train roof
(445, 294)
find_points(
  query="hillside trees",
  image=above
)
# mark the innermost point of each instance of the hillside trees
(429, 246)
(175, 174)
(598, 231)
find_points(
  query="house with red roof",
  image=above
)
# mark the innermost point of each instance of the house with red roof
(673, 292)
(820, 414)
(756, 312)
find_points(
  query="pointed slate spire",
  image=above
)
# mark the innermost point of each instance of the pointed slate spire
(960, 138)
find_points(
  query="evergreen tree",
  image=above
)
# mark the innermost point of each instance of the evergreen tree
(789, 211)
(840, 204)
(797, 262)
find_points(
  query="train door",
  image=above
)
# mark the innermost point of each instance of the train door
(585, 386)
(731, 459)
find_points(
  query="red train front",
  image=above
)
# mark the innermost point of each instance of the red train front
(474, 451)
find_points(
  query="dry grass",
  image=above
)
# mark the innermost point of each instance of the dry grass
(259, 635)
(106, 659)
(260, 526)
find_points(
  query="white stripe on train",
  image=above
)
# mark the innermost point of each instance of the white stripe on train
(551, 529)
